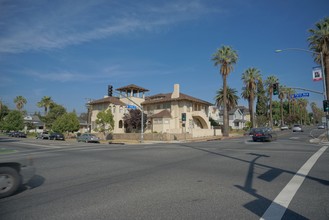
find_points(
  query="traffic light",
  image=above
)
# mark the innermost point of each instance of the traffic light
(109, 90)
(183, 116)
(326, 105)
(276, 89)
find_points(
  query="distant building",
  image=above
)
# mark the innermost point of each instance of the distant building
(238, 117)
(164, 111)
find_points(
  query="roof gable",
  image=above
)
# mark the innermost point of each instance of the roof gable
(109, 99)
(160, 98)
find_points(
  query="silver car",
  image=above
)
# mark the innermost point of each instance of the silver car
(88, 138)
(297, 128)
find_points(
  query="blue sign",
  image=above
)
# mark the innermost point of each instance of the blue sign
(131, 106)
(300, 95)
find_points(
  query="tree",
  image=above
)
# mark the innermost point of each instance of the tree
(269, 84)
(261, 105)
(225, 57)
(4, 110)
(231, 98)
(317, 113)
(20, 101)
(132, 120)
(282, 92)
(55, 111)
(45, 103)
(289, 92)
(68, 122)
(250, 78)
(13, 121)
(319, 43)
(105, 122)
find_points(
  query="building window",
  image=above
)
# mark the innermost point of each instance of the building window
(120, 124)
(121, 109)
(167, 105)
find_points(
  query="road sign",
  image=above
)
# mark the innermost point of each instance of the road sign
(300, 95)
(131, 106)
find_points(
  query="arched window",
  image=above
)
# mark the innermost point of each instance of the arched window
(120, 124)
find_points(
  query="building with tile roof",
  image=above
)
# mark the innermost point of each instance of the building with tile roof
(164, 111)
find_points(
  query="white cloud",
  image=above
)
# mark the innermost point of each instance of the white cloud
(41, 25)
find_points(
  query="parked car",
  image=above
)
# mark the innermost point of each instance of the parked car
(20, 134)
(284, 127)
(87, 137)
(264, 134)
(321, 127)
(297, 128)
(43, 135)
(13, 173)
(56, 136)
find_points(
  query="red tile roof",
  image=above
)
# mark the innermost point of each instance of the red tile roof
(162, 114)
(110, 99)
(160, 98)
(132, 87)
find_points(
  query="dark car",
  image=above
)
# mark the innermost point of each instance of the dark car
(13, 173)
(20, 134)
(87, 137)
(56, 136)
(264, 134)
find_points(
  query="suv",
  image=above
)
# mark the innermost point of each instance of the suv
(13, 173)
(43, 135)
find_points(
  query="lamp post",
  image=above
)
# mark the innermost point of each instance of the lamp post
(323, 75)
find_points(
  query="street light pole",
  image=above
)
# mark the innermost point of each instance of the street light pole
(323, 75)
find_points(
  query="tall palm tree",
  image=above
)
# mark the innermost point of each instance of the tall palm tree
(20, 101)
(282, 93)
(289, 92)
(225, 57)
(250, 79)
(319, 42)
(232, 98)
(269, 84)
(45, 103)
(302, 104)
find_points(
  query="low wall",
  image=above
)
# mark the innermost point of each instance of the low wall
(167, 136)
(206, 132)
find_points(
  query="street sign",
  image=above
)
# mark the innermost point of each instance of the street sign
(300, 95)
(131, 106)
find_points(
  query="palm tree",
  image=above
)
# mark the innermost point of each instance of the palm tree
(269, 84)
(319, 43)
(282, 92)
(232, 98)
(45, 103)
(20, 101)
(225, 57)
(250, 79)
(289, 92)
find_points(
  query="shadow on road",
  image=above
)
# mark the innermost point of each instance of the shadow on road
(260, 204)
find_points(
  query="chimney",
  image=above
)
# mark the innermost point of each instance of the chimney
(175, 93)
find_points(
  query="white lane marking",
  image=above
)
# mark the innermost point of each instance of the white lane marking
(40, 145)
(279, 205)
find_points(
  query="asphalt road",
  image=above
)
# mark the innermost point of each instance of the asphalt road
(228, 179)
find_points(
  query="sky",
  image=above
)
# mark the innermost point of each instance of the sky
(71, 50)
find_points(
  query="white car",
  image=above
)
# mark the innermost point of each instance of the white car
(297, 128)
(321, 127)
(284, 127)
